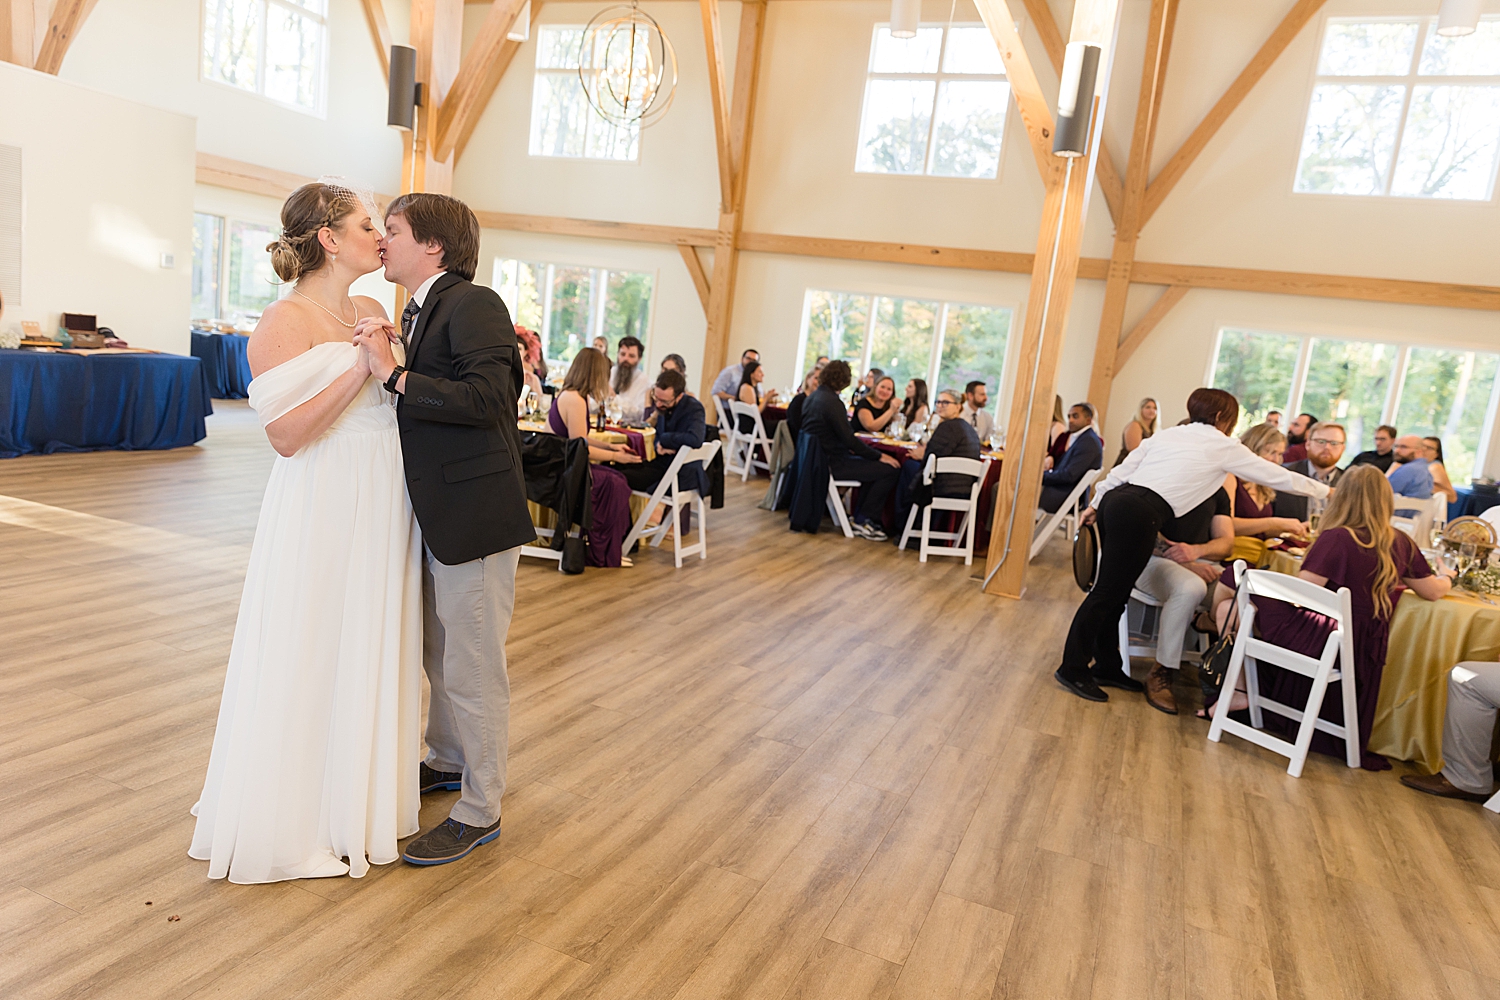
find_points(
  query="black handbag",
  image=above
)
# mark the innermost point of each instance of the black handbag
(1086, 557)
(574, 554)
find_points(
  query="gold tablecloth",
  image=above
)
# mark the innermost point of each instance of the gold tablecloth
(1427, 639)
(604, 437)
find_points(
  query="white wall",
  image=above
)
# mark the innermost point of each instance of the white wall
(104, 198)
(149, 50)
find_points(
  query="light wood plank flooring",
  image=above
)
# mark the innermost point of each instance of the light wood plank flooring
(808, 768)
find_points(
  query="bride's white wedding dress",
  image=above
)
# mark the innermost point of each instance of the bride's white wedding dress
(316, 752)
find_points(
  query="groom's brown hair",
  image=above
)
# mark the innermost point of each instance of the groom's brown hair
(448, 222)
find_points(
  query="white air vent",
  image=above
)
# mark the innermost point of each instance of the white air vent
(10, 224)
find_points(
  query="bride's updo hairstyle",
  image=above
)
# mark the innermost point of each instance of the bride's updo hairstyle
(311, 207)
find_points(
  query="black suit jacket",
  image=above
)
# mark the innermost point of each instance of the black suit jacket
(682, 427)
(1085, 453)
(458, 424)
(1291, 505)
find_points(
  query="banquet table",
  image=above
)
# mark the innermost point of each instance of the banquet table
(54, 402)
(903, 450)
(1428, 638)
(226, 365)
(770, 417)
(642, 441)
(1471, 503)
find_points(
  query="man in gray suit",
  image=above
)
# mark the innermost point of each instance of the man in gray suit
(1325, 446)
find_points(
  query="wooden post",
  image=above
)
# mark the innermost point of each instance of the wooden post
(1054, 273)
(18, 31)
(1127, 232)
(437, 35)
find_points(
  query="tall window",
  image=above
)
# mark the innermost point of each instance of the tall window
(1401, 110)
(1436, 392)
(232, 274)
(934, 104)
(208, 251)
(562, 122)
(946, 343)
(571, 305)
(270, 47)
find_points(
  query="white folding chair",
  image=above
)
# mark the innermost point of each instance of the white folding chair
(1428, 514)
(963, 535)
(726, 425)
(667, 494)
(836, 502)
(1066, 516)
(1493, 805)
(741, 457)
(1249, 651)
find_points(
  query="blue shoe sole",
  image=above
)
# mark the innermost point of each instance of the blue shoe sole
(442, 786)
(457, 857)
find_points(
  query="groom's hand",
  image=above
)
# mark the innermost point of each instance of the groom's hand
(382, 359)
(376, 322)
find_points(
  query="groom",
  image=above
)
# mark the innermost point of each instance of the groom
(456, 406)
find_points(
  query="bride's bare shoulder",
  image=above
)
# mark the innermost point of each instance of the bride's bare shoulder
(370, 307)
(282, 333)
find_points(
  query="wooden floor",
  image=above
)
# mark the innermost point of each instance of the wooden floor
(807, 768)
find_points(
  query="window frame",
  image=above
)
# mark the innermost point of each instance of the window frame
(938, 78)
(321, 75)
(593, 116)
(598, 296)
(1399, 366)
(1426, 26)
(940, 333)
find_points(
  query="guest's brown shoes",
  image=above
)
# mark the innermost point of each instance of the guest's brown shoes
(1159, 690)
(1436, 784)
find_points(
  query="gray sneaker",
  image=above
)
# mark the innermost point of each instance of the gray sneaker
(871, 531)
(448, 841)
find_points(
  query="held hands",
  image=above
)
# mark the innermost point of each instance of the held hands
(625, 455)
(375, 335)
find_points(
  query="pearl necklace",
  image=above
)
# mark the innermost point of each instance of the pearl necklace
(329, 311)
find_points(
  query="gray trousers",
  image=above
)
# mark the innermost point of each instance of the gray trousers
(1473, 697)
(1181, 591)
(466, 611)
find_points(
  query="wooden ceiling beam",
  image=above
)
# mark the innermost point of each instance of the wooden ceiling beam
(492, 81)
(1109, 179)
(700, 277)
(1292, 24)
(634, 232)
(478, 75)
(1036, 114)
(62, 27)
(380, 33)
(718, 94)
(1169, 297)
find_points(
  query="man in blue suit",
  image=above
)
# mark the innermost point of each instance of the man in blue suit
(1085, 452)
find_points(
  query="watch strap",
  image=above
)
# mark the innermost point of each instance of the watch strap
(396, 373)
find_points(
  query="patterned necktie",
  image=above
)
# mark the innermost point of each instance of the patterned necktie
(409, 317)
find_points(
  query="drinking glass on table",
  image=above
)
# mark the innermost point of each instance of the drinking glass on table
(612, 409)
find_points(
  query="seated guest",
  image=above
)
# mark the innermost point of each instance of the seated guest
(627, 383)
(1057, 435)
(1473, 697)
(533, 365)
(588, 379)
(1141, 426)
(1356, 548)
(1296, 437)
(1325, 446)
(1085, 451)
(874, 413)
(749, 392)
(1410, 475)
(727, 385)
(1179, 574)
(679, 423)
(1273, 417)
(674, 362)
(601, 345)
(952, 438)
(822, 360)
(794, 408)
(914, 407)
(976, 398)
(1432, 450)
(824, 418)
(1252, 502)
(866, 385)
(1382, 456)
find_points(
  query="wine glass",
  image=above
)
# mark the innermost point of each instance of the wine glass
(612, 409)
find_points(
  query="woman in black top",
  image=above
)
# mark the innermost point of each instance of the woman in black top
(794, 408)
(914, 406)
(874, 413)
(749, 393)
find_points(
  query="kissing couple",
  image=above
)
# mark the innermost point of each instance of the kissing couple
(389, 536)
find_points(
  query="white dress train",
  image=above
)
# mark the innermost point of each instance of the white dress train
(316, 751)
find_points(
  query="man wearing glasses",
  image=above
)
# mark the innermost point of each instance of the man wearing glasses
(952, 438)
(1325, 446)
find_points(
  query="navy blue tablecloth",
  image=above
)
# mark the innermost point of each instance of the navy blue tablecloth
(127, 402)
(225, 363)
(1471, 503)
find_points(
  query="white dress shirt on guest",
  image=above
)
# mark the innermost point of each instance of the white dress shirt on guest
(728, 381)
(980, 420)
(1185, 464)
(632, 398)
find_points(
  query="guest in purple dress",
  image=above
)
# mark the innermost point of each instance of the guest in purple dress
(1356, 548)
(588, 378)
(1253, 502)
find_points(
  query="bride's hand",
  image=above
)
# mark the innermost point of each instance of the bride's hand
(362, 360)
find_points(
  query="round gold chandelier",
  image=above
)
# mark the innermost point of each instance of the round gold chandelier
(627, 67)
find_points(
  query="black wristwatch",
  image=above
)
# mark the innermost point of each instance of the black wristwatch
(396, 373)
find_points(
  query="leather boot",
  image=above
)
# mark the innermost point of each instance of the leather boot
(1159, 690)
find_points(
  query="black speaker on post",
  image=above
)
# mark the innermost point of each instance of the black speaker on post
(405, 92)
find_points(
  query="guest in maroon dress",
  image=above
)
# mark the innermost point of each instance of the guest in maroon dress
(588, 378)
(1356, 548)
(1252, 502)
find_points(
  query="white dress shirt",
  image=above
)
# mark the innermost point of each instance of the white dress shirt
(633, 397)
(1184, 465)
(980, 420)
(728, 381)
(420, 295)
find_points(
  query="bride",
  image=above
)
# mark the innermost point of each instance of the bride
(314, 764)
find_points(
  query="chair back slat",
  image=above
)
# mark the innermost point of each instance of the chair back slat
(962, 466)
(1292, 590)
